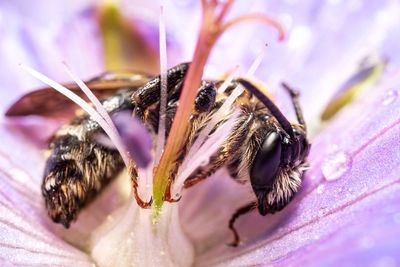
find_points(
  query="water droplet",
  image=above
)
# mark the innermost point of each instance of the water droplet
(320, 189)
(335, 165)
(390, 97)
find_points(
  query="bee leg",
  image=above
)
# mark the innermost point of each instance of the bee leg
(294, 94)
(134, 174)
(241, 211)
(232, 148)
(168, 197)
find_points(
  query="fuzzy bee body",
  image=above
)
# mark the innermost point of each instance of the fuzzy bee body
(263, 149)
(78, 167)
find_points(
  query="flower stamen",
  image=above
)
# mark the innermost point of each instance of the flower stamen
(114, 136)
(164, 85)
(99, 107)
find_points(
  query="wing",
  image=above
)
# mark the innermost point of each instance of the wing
(47, 102)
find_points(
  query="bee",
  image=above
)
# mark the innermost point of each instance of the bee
(264, 149)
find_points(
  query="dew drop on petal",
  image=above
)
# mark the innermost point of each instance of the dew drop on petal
(390, 97)
(335, 165)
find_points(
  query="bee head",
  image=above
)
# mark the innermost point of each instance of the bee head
(276, 171)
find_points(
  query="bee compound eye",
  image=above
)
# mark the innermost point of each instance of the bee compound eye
(266, 163)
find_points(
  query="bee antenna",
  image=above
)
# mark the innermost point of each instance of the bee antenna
(287, 127)
(294, 95)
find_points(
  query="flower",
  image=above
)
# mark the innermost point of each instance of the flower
(346, 211)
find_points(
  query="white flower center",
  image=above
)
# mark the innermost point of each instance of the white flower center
(132, 238)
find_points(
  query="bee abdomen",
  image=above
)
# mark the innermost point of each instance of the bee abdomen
(75, 172)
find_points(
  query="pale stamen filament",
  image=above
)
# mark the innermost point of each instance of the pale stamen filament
(114, 136)
(227, 81)
(163, 93)
(99, 107)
